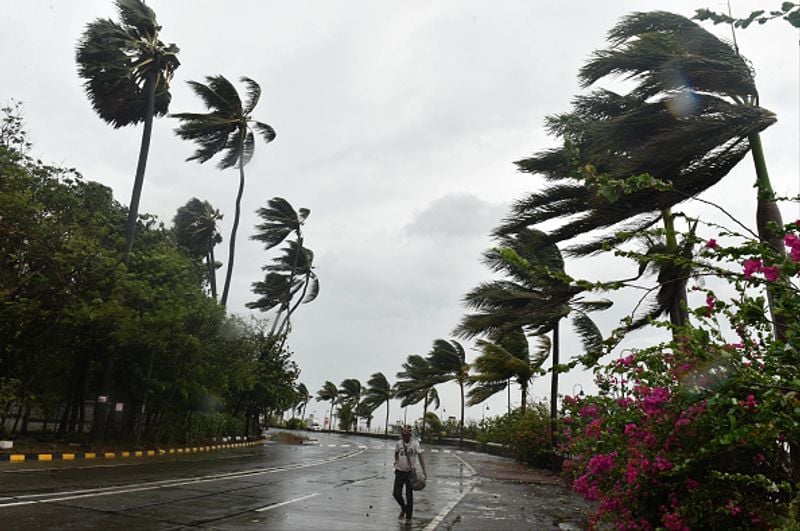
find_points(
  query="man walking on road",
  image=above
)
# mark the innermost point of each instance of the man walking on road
(406, 454)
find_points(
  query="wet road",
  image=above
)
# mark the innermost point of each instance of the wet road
(341, 483)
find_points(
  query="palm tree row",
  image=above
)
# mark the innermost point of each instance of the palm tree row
(127, 70)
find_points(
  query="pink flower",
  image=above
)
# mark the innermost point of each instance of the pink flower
(627, 360)
(770, 273)
(751, 265)
(711, 243)
(662, 463)
(710, 301)
(589, 410)
(692, 484)
(791, 240)
(732, 508)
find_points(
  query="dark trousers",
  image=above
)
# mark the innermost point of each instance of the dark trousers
(404, 478)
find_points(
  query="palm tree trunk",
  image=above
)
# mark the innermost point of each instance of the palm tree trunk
(554, 388)
(461, 426)
(678, 312)
(211, 264)
(424, 413)
(524, 397)
(767, 213)
(232, 243)
(386, 428)
(138, 181)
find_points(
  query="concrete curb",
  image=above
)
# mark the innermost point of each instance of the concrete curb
(108, 456)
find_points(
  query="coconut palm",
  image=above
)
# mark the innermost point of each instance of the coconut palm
(448, 362)
(228, 129)
(536, 296)
(692, 115)
(290, 274)
(378, 392)
(303, 397)
(415, 384)
(195, 226)
(350, 391)
(328, 393)
(506, 359)
(126, 70)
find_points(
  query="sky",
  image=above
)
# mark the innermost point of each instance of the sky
(397, 125)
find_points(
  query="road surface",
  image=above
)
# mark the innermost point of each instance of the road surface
(339, 483)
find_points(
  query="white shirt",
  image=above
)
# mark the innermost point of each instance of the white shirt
(412, 450)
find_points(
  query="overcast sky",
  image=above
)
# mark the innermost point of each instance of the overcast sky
(397, 125)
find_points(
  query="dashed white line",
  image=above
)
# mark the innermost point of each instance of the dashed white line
(287, 502)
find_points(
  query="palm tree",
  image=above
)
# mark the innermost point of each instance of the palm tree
(303, 397)
(448, 362)
(126, 70)
(227, 129)
(378, 392)
(328, 393)
(536, 296)
(500, 362)
(350, 391)
(196, 229)
(691, 117)
(415, 384)
(289, 274)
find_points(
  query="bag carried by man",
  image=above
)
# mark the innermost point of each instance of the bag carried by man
(417, 481)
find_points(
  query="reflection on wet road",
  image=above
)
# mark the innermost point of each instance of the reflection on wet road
(340, 483)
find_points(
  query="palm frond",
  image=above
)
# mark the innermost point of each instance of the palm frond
(266, 131)
(253, 94)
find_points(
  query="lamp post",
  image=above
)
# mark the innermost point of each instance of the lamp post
(483, 417)
(574, 394)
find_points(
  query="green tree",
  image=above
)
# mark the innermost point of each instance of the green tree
(195, 226)
(692, 115)
(127, 70)
(500, 362)
(415, 383)
(536, 295)
(228, 129)
(329, 393)
(291, 274)
(303, 398)
(378, 392)
(350, 392)
(448, 362)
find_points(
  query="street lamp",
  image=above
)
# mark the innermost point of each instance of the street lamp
(483, 417)
(574, 394)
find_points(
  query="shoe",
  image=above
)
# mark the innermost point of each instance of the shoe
(408, 517)
(402, 515)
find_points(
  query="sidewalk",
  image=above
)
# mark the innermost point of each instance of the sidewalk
(509, 495)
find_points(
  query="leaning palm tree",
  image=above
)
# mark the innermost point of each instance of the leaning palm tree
(415, 383)
(290, 274)
(507, 359)
(195, 226)
(448, 362)
(329, 393)
(126, 70)
(350, 391)
(379, 391)
(303, 398)
(536, 295)
(228, 129)
(692, 115)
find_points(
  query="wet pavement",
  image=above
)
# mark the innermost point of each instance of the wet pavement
(340, 483)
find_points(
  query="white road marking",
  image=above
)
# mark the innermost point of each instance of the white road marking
(25, 499)
(287, 502)
(435, 450)
(331, 446)
(344, 446)
(447, 451)
(471, 470)
(449, 507)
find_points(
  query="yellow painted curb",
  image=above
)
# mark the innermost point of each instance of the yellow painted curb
(68, 457)
(126, 454)
(89, 455)
(45, 457)
(109, 455)
(151, 453)
(17, 458)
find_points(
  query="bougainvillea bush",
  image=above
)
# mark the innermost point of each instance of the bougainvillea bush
(702, 432)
